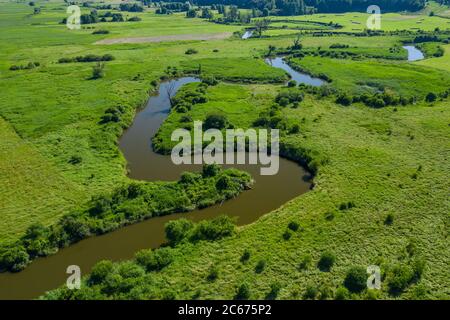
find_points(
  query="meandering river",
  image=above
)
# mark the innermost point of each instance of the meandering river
(267, 194)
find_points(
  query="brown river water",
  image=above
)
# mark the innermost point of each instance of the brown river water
(267, 194)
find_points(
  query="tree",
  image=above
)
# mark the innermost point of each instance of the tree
(98, 71)
(215, 121)
(356, 279)
(243, 292)
(177, 230)
(191, 13)
(262, 25)
(326, 261)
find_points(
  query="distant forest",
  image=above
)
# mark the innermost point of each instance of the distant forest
(295, 7)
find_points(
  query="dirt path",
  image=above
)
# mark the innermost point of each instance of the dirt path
(208, 36)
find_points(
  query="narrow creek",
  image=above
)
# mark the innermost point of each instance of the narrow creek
(268, 193)
(414, 54)
(300, 77)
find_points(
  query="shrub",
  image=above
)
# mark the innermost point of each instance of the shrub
(326, 261)
(243, 292)
(215, 121)
(274, 290)
(98, 71)
(356, 279)
(177, 230)
(210, 80)
(400, 277)
(344, 99)
(213, 274)
(100, 271)
(431, 97)
(389, 220)
(245, 256)
(15, 259)
(211, 170)
(293, 225)
(287, 235)
(191, 51)
(217, 228)
(100, 32)
(341, 293)
(260, 266)
(292, 83)
(310, 292)
(134, 19)
(154, 260)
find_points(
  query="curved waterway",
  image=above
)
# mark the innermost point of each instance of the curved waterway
(267, 194)
(414, 54)
(300, 77)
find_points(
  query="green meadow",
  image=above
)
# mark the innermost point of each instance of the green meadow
(381, 181)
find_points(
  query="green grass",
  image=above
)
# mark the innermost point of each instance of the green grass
(52, 113)
(235, 69)
(361, 76)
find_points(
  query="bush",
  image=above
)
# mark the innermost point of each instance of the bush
(344, 99)
(245, 256)
(154, 260)
(210, 80)
(292, 83)
(217, 228)
(134, 19)
(389, 220)
(260, 266)
(213, 274)
(400, 278)
(101, 32)
(293, 226)
(431, 97)
(98, 71)
(100, 271)
(356, 279)
(177, 230)
(215, 121)
(326, 261)
(274, 290)
(15, 259)
(243, 292)
(341, 293)
(211, 170)
(287, 235)
(191, 51)
(310, 292)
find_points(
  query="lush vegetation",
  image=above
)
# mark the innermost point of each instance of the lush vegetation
(376, 138)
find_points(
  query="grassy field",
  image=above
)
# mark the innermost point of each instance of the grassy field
(385, 161)
(361, 76)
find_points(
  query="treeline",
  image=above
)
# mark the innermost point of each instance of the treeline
(128, 204)
(295, 7)
(87, 58)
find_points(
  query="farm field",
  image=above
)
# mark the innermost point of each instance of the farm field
(380, 174)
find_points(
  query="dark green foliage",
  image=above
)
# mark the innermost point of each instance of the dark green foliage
(344, 99)
(98, 71)
(213, 274)
(131, 7)
(400, 277)
(210, 80)
(293, 225)
(215, 121)
(356, 279)
(260, 266)
(88, 57)
(100, 31)
(217, 228)
(341, 294)
(287, 235)
(211, 170)
(305, 262)
(177, 230)
(191, 51)
(274, 290)
(311, 292)
(28, 66)
(289, 96)
(245, 256)
(14, 259)
(134, 19)
(243, 292)
(431, 97)
(100, 271)
(76, 159)
(326, 261)
(389, 220)
(154, 260)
